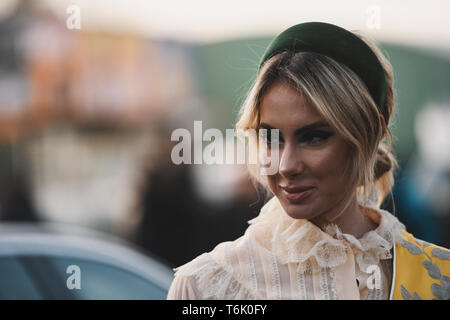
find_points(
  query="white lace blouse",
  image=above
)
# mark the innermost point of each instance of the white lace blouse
(279, 257)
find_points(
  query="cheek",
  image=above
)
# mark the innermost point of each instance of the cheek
(328, 165)
(272, 183)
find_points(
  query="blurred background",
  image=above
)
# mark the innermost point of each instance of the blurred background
(86, 112)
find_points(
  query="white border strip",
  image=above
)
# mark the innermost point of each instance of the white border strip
(393, 273)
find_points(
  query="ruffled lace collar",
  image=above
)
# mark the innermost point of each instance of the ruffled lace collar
(298, 240)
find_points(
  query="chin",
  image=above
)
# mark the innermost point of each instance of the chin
(297, 211)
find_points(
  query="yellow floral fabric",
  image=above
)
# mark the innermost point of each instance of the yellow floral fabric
(422, 270)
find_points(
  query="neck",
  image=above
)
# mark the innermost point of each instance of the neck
(350, 221)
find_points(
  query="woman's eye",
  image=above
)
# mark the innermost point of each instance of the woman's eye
(315, 137)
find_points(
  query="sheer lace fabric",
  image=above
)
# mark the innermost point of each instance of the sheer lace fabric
(279, 257)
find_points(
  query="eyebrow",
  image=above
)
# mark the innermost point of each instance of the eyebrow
(299, 131)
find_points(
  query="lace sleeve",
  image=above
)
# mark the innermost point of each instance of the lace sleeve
(204, 279)
(183, 288)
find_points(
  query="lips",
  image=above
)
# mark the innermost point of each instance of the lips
(296, 189)
(297, 193)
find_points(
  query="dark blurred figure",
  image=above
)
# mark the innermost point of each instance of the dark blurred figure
(168, 207)
(419, 212)
(16, 202)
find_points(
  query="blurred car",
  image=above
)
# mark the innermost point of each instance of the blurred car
(50, 261)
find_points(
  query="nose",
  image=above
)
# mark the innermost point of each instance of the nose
(291, 163)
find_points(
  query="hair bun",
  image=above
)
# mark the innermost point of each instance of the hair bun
(383, 162)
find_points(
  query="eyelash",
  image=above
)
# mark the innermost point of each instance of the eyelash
(322, 135)
(308, 137)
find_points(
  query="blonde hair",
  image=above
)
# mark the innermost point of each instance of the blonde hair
(343, 100)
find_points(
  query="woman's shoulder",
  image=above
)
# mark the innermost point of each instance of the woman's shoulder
(415, 246)
(217, 258)
(212, 275)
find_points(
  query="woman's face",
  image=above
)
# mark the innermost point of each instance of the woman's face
(310, 180)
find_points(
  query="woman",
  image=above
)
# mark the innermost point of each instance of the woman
(329, 93)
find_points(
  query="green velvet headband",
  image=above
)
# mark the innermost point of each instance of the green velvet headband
(338, 44)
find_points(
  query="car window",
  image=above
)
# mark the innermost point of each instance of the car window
(84, 279)
(102, 281)
(47, 277)
(15, 282)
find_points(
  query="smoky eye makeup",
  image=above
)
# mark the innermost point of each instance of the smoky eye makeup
(312, 134)
(315, 136)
